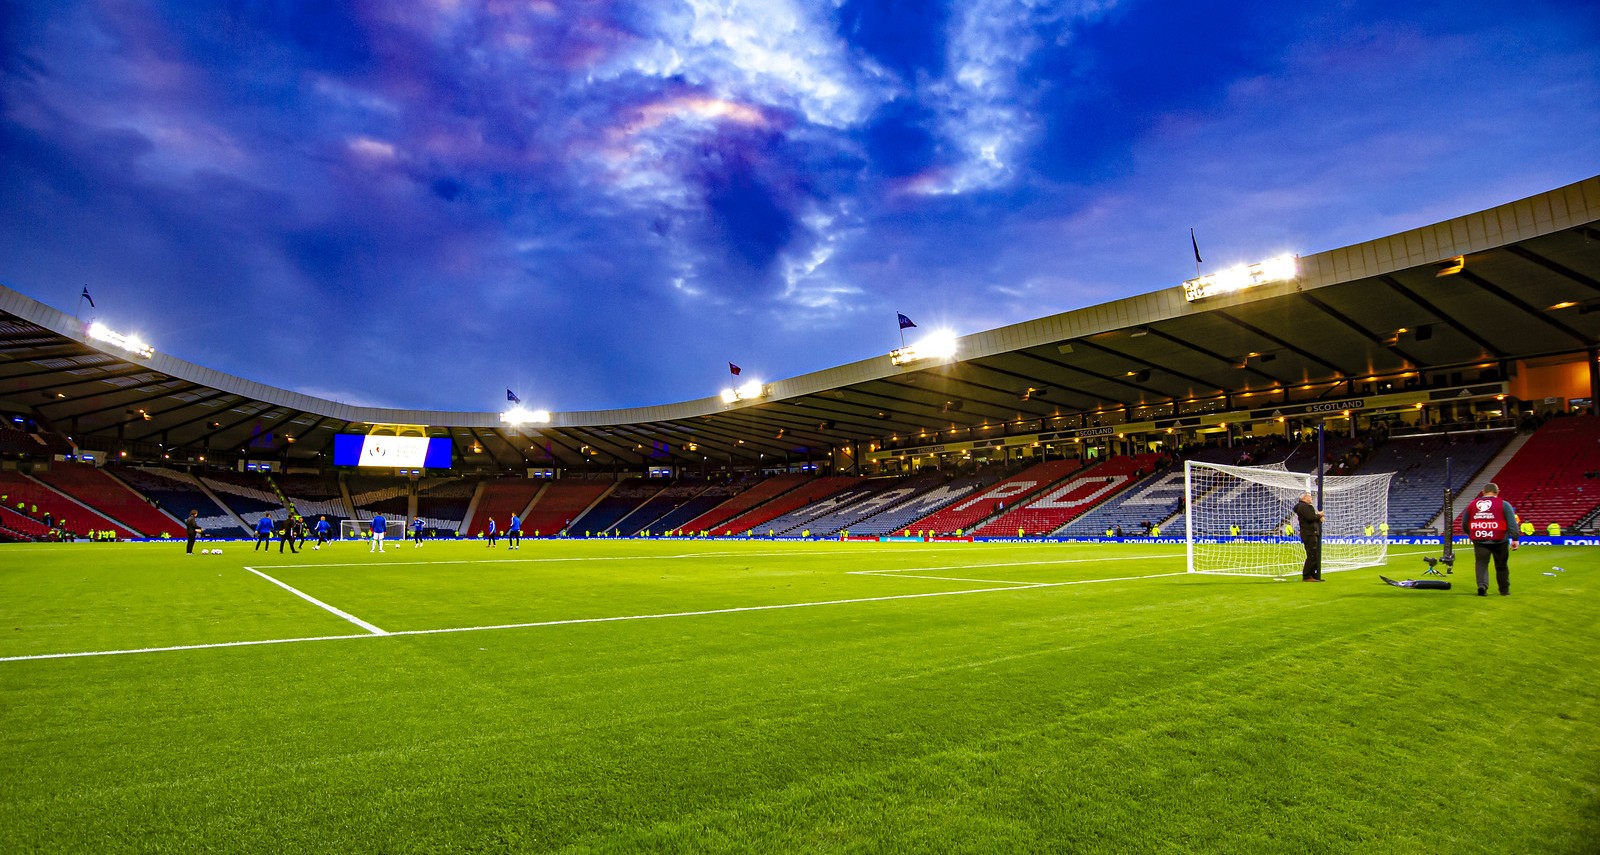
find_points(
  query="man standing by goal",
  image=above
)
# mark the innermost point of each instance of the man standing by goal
(416, 532)
(378, 526)
(1491, 523)
(1310, 524)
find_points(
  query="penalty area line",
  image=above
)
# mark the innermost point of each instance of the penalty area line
(320, 604)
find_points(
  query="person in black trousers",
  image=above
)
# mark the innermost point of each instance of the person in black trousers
(1491, 524)
(287, 534)
(1310, 520)
(191, 529)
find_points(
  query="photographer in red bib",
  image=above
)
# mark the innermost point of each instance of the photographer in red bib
(1491, 524)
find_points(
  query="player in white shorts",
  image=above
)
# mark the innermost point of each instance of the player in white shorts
(378, 525)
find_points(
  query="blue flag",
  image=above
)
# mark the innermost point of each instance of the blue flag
(905, 322)
(87, 297)
(1196, 245)
(512, 397)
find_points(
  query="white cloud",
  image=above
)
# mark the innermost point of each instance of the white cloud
(983, 102)
(779, 53)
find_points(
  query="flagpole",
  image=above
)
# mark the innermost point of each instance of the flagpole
(79, 313)
(902, 332)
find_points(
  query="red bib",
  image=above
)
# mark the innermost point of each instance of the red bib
(1486, 519)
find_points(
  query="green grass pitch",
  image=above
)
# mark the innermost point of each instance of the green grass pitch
(633, 696)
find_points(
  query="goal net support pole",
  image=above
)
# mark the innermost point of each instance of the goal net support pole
(1240, 519)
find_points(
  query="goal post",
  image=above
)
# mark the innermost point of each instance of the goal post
(1240, 519)
(393, 529)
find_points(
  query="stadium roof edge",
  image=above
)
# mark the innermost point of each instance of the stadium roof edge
(1566, 207)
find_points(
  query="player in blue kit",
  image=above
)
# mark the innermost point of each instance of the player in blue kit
(321, 529)
(416, 532)
(378, 526)
(514, 533)
(264, 533)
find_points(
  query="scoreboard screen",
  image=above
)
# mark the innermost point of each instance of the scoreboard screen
(392, 452)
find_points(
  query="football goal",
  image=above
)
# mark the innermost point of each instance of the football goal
(1240, 519)
(394, 529)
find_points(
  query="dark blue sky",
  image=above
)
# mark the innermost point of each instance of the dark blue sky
(600, 204)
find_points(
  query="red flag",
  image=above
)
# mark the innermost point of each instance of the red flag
(734, 369)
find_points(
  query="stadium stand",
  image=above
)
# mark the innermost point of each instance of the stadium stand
(442, 502)
(649, 516)
(619, 503)
(801, 520)
(1416, 493)
(501, 498)
(39, 443)
(1063, 503)
(744, 501)
(313, 496)
(900, 516)
(246, 494)
(1552, 478)
(110, 497)
(679, 518)
(1151, 501)
(563, 500)
(763, 517)
(881, 494)
(372, 495)
(963, 515)
(65, 513)
(179, 493)
(20, 528)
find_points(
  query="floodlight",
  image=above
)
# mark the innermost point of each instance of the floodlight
(1279, 269)
(131, 343)
(749, 390)
(937, 344)
(521, 416)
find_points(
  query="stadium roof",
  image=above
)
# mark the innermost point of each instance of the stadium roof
(1517, 282)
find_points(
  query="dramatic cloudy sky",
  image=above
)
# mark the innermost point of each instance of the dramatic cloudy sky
(601, 203)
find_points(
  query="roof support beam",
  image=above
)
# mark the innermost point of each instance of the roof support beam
(1361, 330)
(1527, 308)
(1442, 315)
(1292, 348)
(1558, 269)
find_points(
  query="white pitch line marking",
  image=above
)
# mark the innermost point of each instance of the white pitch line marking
(575, 621)
(944, 578)
(1008, 564)
(320, 604)
(381, 563)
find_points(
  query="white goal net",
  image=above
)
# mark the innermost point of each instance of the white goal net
(362, 529)
(1241, 520)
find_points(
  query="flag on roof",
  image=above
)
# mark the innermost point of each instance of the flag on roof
(1196, 245)
(87, 297)
(905, 322)
(734, 369)
(512, 397)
